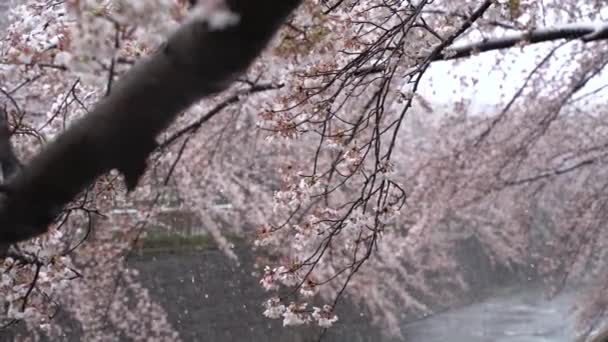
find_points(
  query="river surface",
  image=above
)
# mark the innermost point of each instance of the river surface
(521, 316)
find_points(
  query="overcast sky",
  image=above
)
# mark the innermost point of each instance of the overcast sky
(496, 80)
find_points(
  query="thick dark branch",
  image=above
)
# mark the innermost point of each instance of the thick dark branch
(479, 12)
(9, 163)
(585, 33)
(120, 132)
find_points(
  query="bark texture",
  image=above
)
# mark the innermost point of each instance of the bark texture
(121, 131)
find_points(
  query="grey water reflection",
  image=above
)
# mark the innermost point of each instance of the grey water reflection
(521, 316)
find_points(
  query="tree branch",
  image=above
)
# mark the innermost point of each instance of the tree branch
(120, 132)
(585, 33)
(9, 163)
(218, 108)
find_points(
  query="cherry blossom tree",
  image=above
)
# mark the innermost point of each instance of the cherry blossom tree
(332, 159)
